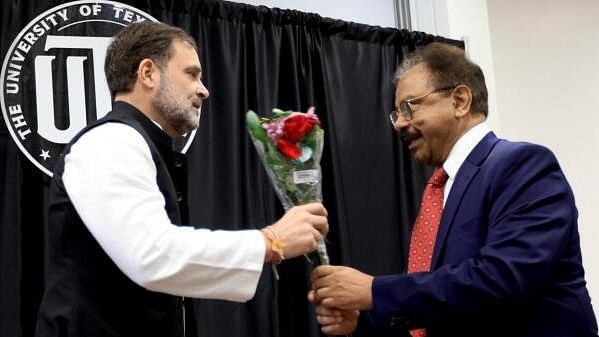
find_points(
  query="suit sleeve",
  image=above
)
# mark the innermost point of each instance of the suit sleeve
(529, 215)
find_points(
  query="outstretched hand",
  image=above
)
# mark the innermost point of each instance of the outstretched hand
(301, 228)
(341, 287)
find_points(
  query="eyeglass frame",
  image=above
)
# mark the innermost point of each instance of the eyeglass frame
(405, 107)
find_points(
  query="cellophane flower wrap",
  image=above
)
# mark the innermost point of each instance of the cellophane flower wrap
(290, 147)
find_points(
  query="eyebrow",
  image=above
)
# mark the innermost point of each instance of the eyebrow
(194, 68)
(409, 97)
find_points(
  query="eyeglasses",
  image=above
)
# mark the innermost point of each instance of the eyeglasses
(406, 109)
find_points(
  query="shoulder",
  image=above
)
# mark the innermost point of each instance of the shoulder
(524, 164)
(109, 134)
(108, 147)
(511, 153)
(109, 140)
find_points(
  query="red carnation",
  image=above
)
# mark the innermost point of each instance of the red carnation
(289, 149)
(297, 126)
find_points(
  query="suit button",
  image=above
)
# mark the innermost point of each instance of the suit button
(399, 320)
(178, 162)
(179, 196)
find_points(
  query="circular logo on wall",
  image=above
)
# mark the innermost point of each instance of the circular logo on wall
(53, 81)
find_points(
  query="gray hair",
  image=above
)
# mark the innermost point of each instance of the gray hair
(448, 65)
(134, 43)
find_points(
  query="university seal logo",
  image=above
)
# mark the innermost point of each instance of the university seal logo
(52, 81)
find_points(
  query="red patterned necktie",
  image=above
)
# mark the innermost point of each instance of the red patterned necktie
(425, 229)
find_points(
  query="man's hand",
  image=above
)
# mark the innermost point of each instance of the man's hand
(337, 321)
(341, 288)
(301, 228)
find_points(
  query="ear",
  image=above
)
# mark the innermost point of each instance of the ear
(462, 100)
(148, 74)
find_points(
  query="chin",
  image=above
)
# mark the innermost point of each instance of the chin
(423, 159)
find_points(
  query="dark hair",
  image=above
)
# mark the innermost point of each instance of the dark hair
(134, 43)
(448, 65)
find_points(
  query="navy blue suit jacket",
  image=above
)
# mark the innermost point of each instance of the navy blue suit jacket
(507, 258)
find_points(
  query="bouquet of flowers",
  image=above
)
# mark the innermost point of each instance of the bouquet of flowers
(290, 148)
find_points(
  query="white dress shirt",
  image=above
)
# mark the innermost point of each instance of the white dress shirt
(110, 178)
(460, 151)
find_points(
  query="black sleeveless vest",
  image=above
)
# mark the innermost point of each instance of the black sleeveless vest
(86, 294)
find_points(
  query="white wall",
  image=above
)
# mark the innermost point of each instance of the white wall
(461, 20)
(373, 12)
(546, 59)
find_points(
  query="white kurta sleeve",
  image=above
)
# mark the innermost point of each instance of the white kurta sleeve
(110, 178)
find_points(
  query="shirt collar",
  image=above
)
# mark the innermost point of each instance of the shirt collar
(462, 148)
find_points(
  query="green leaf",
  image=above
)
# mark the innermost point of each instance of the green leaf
(315, 136)
(291, 187)
(253, 124)
(280, 113)
(273, 156)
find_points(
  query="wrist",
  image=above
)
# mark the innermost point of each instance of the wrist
(368, 305)
(274, 246)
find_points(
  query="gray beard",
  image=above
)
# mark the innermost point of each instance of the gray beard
(176, 110)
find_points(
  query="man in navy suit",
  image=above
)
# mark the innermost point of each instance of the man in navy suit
(505, 259)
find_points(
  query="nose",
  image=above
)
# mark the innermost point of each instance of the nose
(400, 124)
(202, 91)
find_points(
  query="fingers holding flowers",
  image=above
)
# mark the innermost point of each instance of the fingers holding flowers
(301, 228)
(341, 287)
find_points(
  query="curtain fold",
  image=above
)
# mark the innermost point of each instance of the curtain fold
(254, 58)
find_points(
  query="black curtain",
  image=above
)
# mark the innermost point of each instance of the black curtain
(254, 58)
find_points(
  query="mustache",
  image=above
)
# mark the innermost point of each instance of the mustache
(196, 102)
(407, 134)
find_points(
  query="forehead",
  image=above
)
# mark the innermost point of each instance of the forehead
(184, 55)
(413, 83)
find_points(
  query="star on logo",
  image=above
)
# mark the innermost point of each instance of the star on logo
(45, 154)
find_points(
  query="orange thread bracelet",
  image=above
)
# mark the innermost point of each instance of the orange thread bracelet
(276, 244)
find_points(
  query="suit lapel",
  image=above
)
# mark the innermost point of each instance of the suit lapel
(463, 178)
